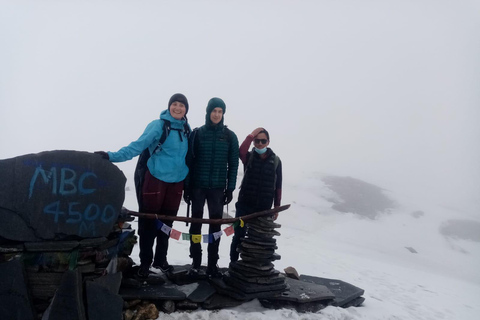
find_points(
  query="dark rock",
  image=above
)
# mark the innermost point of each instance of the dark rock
(202, 292)
(167, 306)
(257, 279)
(259, 259)
(237, 294)
(102, 303)
(186, 305)
(262, 233)
(15, 303)
(98, 243)
(254, 288)
(249, 245)
(152, 292)
(244, 269)
(57, 194)
(292, 273)
(264, 224)
(344, 292)
(270, 243)
(51, 246)
(219, 301)
(312, 307)
(358, 196)
(68, 300)
(11, 248)
(110, 281)
(262, 267)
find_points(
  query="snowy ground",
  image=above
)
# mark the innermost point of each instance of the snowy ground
(440, 281)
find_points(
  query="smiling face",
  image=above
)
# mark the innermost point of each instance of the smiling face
(261, 141)
(216, 115)
(177, 110)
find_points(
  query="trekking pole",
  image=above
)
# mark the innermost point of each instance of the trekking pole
(188, 213)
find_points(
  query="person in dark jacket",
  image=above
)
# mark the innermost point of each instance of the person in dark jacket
(213, 163)
(164, 179)
(262, 181)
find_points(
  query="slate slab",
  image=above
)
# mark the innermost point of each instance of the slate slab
(243, 268)
(220, 301)
(51, 246)
(153, 292)
(225, 289)
(302, 292)
(204, 291)
(57, 194)
(257, 232)
(257, 279)
(344, 292)
(111, 282)
(267, 266)
(102, 303)
(15, 301)
(252, 287)
(267, 244)
(68, 300)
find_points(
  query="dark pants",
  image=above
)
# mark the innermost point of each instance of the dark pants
(161, 198)
(241, 211)
(214, 198)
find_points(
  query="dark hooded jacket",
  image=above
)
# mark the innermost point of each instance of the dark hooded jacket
(213, 154)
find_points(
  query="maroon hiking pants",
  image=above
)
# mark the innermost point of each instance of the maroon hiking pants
(161, 198)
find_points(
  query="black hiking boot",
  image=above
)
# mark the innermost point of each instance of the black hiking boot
(213, 272)
(165, 267)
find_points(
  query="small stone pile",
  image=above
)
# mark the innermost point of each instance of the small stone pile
(254, 275)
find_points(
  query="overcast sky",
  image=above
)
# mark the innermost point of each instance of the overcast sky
(384, 91)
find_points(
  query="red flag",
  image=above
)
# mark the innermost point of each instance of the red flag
(228, 231)
(175, 234)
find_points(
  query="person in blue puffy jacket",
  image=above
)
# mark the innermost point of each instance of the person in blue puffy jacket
(163, 182)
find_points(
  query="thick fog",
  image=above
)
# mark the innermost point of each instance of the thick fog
(384, 91)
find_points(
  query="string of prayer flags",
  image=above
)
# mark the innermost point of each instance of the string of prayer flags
(217, 235)
(196, 238)
(175, 234)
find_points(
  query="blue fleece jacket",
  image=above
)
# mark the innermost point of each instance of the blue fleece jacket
(168, 161)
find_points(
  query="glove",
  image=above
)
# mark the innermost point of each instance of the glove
(227, 196)
(103, 154)
(186, 196)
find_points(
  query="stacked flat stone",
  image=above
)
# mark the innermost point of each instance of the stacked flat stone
(254, 274)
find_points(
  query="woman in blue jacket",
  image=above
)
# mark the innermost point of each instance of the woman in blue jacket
(163, 182)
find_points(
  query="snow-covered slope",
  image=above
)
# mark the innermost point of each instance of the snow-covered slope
(401, 255)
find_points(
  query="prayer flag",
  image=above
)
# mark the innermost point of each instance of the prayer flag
(166, 229)
(228, 231)
(196, 238)
(175, 234)
(206, 238)
(158, 224)
(185, 236)
(217, 235)
(241, 223)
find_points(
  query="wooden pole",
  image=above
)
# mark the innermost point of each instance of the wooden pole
(207, 221)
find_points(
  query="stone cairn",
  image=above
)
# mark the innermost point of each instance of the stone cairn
(254, 275)
(47, 262)
(63, 237)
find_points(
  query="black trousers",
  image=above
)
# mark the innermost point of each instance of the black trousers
(214, 199)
